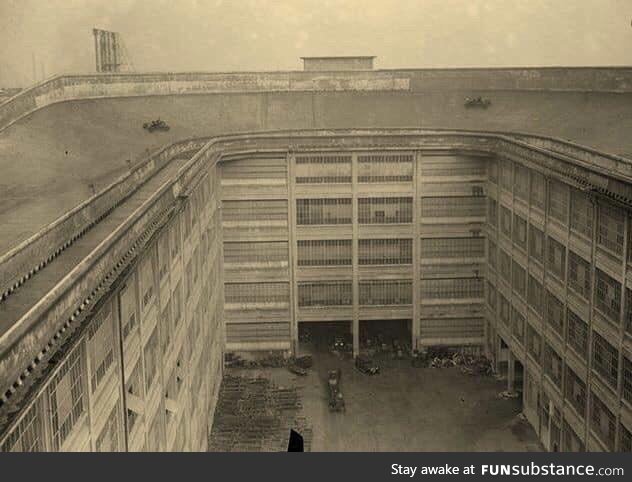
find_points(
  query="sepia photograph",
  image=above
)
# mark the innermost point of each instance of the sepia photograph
(316, 226)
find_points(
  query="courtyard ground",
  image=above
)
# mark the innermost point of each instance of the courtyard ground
(405, 409)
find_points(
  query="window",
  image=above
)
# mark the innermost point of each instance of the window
(452, 288)
(582, 213)
(491, 295)
(134, 388)
(453, 247)
(505, 265)
(385, 210)
(385, 292)
(538, 190)
(256, 293)
(625, 439)
(492, 212)
(505, 221)
(147, 282)
(109, 440)
(493, 254)
(579, 278)
(151, 357)
(66, 397)
(605, 360)
(338, 293)
(453, 207)
(492, 170)
(607, 295)
(258, 253)
(558, 201)
(577, 335)
(555, 313)
(254, 211)
(127, 299)
(323, 211)
(505, 310)
(321, 169)
(535, 296)
(518, 325)
(536, 244)
(100, 339)
(329, 252)
(521, 186)
(552, 365)
(385, 168)
(575, 392)
(627, 379)
(519, 279)
(602, 421)
(385, 251)
(28, 434)
(628, 311)
(571, 442)
(520, 232)
(610, 228)
(506, 174)
(556, 258)
(534, 342)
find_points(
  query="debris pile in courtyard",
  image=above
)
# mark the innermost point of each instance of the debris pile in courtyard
(255, 415)
(470, 364)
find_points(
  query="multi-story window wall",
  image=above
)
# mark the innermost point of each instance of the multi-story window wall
(324, 252)
(331, 293)
(323, 211)
(385, 168)
(605, 360)
(453, 207)
(386, 292)
(385, 251)
(321, 169)
(385, 210)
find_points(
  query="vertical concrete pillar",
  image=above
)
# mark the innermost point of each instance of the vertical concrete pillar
(511, 372)
(292, 254)
(355, 326)
(415, 325)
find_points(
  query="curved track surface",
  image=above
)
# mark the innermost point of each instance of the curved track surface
(50, 159)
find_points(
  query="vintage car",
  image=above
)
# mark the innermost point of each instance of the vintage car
(156, 125)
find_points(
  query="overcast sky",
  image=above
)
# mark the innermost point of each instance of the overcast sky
(224, 35)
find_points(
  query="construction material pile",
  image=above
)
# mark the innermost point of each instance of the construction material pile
(272, 360)
(254, 415)
(470, 364)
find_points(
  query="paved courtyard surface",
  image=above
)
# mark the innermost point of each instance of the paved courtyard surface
(406, 409)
